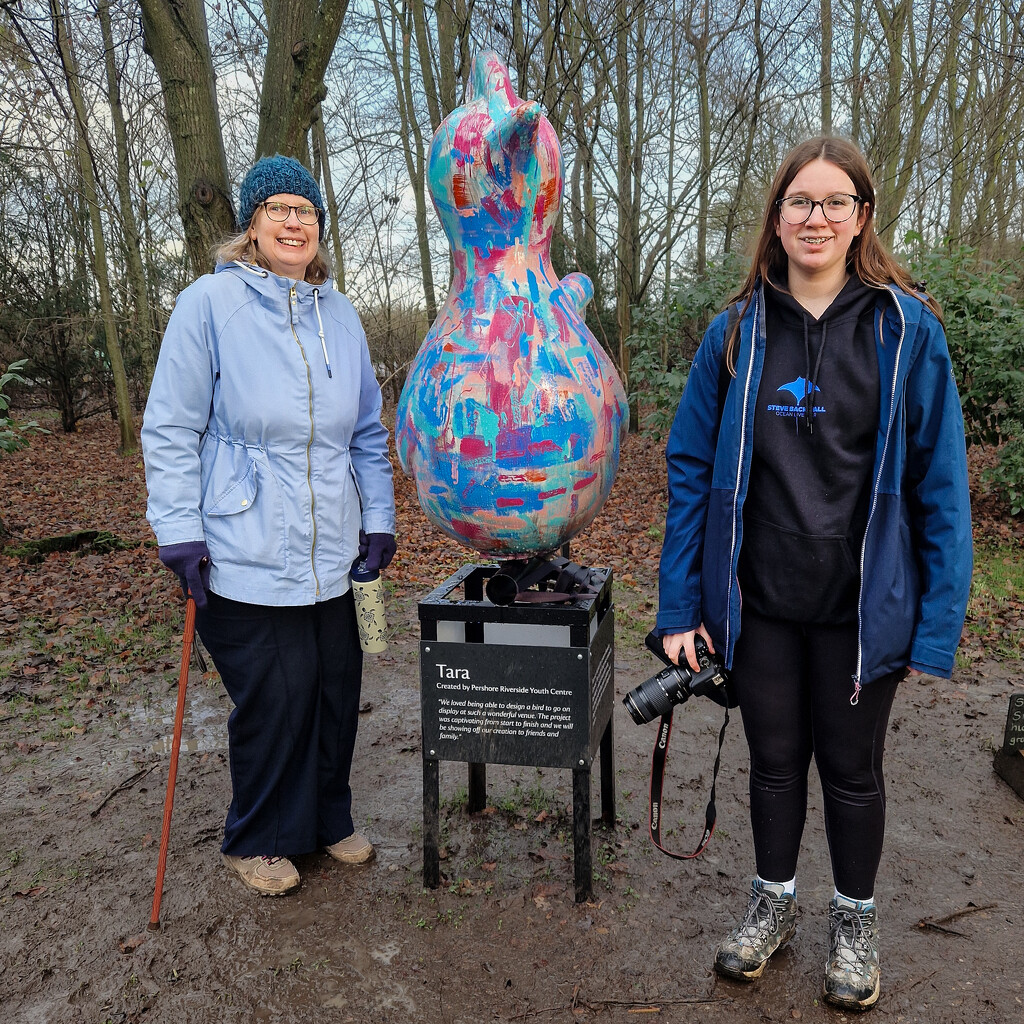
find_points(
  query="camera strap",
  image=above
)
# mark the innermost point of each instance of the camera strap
(658, 778)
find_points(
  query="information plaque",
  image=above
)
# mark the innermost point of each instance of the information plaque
(522, 684)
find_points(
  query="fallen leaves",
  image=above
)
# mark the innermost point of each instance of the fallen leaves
(79, 616)
(129, 945)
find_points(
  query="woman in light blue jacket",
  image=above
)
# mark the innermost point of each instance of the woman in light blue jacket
(268, 477)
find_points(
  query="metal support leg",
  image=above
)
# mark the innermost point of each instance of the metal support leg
(431, 825)
(476, 799)
(607, 778)
(582, 855)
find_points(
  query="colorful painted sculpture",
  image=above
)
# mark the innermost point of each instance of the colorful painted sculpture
(512, 414)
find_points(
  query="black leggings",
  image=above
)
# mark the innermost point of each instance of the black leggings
(794, 683)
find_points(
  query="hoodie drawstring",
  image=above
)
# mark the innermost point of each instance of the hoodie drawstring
(810, 386)
(323, 342)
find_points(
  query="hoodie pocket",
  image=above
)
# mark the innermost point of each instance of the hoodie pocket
(796, 576)
(243, 514)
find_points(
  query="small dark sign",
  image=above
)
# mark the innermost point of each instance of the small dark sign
(1009, 759)
(496, 704)
(1013, 739)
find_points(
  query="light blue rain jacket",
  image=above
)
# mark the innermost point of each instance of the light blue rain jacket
(262, 436)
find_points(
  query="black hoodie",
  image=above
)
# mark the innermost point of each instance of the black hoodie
(810, 478)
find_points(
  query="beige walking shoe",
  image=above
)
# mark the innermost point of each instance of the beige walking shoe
(356, 849)
(269, 876)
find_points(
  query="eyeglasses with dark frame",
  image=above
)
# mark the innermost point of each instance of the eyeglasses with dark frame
(837, 208)
(307, 214)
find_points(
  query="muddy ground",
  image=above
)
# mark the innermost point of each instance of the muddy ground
(501, 939)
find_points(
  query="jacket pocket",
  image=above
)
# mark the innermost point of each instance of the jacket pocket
(243, 514)
(796, 576)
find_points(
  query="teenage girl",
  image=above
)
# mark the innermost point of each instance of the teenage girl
(818, 537)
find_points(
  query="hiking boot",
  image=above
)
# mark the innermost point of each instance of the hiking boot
(852, 978)
(269, 876)
(770, 922)
(356, 849)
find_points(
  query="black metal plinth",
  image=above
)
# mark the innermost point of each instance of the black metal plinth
(522, 684)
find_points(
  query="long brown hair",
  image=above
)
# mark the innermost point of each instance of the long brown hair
(244, 249)
(868, 258)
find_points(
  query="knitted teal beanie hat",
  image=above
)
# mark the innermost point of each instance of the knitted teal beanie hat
(277, 175)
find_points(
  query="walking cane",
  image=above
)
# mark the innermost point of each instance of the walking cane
(172, 773)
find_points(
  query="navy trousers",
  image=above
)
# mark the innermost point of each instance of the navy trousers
(294, 675)
(794, 683)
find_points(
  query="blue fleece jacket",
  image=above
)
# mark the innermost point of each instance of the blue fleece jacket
(916, 558)
(262, 436)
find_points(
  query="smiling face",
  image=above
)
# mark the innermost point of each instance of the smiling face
(287, 246)
(817, 249)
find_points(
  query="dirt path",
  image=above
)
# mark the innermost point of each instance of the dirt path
(501, 939)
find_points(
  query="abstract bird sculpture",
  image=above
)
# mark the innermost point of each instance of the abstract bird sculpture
(512, 415)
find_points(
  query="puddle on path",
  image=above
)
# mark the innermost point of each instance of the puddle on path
(204, 727)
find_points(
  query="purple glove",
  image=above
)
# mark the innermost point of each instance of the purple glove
(190, 562)
(376, 549)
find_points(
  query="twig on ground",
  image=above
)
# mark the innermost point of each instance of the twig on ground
(536, 1013)
(637, 1006)
(650, 1003)
(936, 923)
(924, 979)
(127, 784)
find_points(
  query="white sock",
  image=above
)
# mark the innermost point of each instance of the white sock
(779, 888)
(851, 904)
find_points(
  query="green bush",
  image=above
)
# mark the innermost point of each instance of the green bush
(666, 338)
(985, 330)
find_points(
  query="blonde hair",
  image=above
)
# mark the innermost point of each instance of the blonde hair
(244, 249)
(867, 258)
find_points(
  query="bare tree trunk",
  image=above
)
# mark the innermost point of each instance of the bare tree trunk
(412, 139)
(452, 35)
(959, 103)
(858, 76)
(321, 157)
(889, 142)
(899, 146)
(998, 187)
(426, 64)
(132, 241)
(754, 120)
(177, 39)
(826, 67)
(699, 41)
(519, 47)
(71, 77)
(302, 38)
(626, 258)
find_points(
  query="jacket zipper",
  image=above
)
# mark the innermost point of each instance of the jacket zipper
(739, 468)
(309, 443)
(874, 495)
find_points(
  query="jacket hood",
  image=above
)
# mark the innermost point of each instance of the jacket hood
(272, 286)
(849, 304)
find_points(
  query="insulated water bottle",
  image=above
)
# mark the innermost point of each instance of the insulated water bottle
(368, 591)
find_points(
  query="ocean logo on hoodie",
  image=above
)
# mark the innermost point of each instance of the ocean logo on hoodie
(799, 389)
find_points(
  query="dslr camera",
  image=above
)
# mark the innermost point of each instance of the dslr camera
(676, 684)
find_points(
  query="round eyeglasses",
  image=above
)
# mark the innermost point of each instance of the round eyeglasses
(307, 213)
(837, 208)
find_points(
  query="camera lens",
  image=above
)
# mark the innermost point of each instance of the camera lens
(655, 696)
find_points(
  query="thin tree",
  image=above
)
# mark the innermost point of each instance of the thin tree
(129, 226)
(63, 42)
